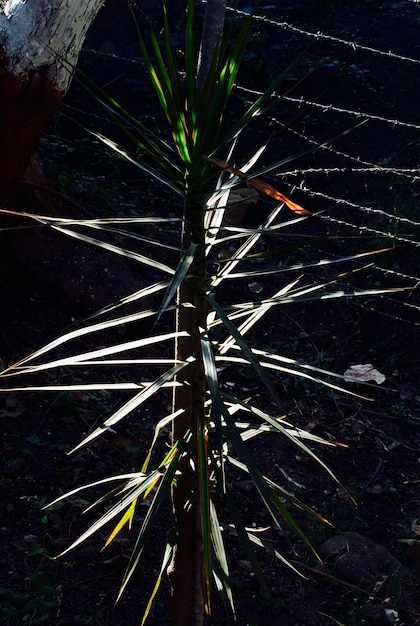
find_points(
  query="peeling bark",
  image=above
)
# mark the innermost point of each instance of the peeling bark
(40, 41)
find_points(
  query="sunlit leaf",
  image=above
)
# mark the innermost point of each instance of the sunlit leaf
(78, 359)
(220, 552)
(165, 561)
(153, 511)
(127, 518)
(177, 279)
(132, 404)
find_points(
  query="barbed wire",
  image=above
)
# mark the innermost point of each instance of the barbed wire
(386, 270)
(371, 168)
(359, 114)
(330, 107)
(374, 169)
(402, 172)
(320, 35)
(360, 207)
(368, 229)
(384, 313)
(361, 228)
(115, 57)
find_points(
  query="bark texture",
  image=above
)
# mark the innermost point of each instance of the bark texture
(214, 20)
(40, 41)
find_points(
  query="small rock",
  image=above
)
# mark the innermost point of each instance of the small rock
(377, 615)
(31, 540)
(359, 560)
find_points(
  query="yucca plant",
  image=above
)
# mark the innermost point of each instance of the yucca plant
(210, 425)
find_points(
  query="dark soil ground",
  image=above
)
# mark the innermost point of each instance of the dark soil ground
(366, 185)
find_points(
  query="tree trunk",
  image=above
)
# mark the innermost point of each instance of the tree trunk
(214, 20)
(40, 41)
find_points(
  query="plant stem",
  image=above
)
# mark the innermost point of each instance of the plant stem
(187, 569)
